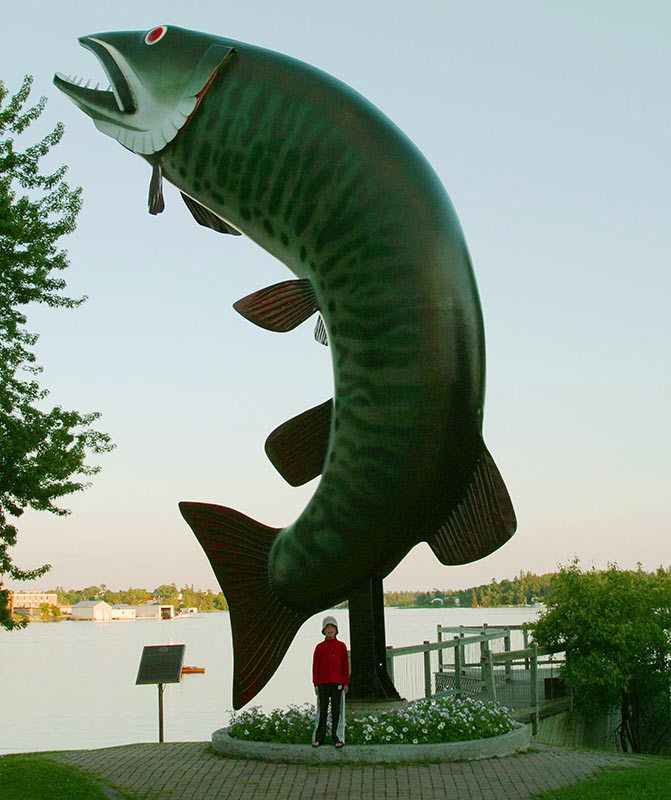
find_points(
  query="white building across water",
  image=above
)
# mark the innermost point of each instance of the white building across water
(123, 611)
(97, 610)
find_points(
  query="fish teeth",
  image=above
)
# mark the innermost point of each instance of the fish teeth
(75, 80)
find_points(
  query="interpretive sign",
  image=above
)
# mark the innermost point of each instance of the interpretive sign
(161, 664)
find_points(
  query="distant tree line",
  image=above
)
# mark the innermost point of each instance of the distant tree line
(186, 597)
(526, 589)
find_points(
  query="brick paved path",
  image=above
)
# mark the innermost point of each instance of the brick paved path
(187, 771)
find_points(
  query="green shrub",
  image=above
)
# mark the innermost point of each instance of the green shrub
(447, 719)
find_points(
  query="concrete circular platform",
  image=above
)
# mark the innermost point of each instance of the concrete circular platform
(515, 741)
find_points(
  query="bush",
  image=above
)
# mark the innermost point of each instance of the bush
(433, 721)
(616, 628)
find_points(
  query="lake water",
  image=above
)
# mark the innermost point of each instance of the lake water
(71, 685)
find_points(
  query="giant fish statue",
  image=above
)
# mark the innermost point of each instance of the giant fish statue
(262, 144)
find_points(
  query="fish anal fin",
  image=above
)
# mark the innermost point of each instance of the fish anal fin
(320, 332)
(297, 448)
(482, 521)
(262, 627)
(280, 307)
(207, 218)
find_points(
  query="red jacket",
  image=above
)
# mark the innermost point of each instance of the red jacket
(330, 663)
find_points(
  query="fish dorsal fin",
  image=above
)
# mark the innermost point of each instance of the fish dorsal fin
(207, 218)
(297, 448)
(482, 521)
(280, 307)
(156, 201)
(320, 332)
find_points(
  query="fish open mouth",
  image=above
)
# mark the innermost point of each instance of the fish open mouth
(116, 99)
(153, 92)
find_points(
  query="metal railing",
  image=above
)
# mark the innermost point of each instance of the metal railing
(485, 666)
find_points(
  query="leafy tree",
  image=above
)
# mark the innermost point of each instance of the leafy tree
(134, 597)
(615, 626)
(42, 451)
(113, 598)
(220, 603)
(166, 593)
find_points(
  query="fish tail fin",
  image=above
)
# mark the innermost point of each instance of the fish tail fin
(262, 627)
(482, 521)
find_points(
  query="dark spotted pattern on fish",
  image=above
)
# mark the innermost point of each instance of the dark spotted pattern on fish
(282, 167)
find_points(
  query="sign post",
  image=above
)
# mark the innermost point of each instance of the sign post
(161, 664)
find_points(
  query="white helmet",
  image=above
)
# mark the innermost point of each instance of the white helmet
(329, 621)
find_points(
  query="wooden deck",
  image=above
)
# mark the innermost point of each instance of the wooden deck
(483, 665)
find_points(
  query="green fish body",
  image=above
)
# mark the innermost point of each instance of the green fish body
(321, 179)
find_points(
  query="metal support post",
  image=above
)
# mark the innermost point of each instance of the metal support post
(369, 680)
(488, 675)
(534, 690)
(427, 670)
(506, 647)
(525, 634)
(484, 646)
(458, 657)
(160, 711)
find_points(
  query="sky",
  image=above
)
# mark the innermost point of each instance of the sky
(549, 125)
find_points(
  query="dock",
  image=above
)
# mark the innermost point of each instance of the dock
(481, 663)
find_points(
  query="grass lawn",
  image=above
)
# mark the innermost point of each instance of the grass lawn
(651, 781)
(34, 778)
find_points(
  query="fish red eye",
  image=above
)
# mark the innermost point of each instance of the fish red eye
(156, 34)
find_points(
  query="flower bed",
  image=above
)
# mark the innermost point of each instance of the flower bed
(432, 721)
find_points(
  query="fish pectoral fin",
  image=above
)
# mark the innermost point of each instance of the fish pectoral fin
(207, 218)
(156, 201)
(262, 627)
(297, 448)
(280, 307)
(320, 332)
(482, 521)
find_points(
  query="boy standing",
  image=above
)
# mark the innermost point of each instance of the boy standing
(330, 676)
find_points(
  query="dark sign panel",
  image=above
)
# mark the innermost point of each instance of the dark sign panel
(161, 664)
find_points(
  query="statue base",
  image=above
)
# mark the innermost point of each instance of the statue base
(360, 708)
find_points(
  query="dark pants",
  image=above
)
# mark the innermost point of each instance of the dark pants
(326, 692)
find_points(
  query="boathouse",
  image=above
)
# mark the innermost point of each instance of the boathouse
(155, 611)
(123, 611)
(96, 610)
